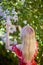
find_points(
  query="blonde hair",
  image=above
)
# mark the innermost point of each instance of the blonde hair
(28, 41)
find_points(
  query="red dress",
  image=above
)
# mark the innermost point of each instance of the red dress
(20, 57)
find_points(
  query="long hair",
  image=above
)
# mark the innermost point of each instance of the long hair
(28, 42)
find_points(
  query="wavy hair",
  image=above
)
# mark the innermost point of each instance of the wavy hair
(28, 41)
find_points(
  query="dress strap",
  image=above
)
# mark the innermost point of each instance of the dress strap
(17, 51)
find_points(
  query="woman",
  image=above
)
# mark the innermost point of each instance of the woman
(27, 51)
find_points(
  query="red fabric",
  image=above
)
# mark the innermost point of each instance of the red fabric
(19, 55)
(17, 51)
(36, 51)
(33, 62)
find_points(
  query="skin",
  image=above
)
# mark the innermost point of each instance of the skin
(26, 36)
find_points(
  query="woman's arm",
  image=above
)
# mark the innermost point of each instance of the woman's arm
(7, 45)
(9, 48)
(18, 46)
(7, 36)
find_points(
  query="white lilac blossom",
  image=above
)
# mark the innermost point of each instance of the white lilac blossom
(25, 21)
(4, 15)
(4, 40)
(1, 11)
(0, 8)
(14, 12)
(7, 11)
(15, 18)
(11, 42)
(12, 29)
(7, 17)
(3, 37)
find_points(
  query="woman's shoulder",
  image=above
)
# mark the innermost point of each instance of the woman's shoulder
(16, 49)
(19, 46)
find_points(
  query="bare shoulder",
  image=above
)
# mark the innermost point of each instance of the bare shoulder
(19, 46)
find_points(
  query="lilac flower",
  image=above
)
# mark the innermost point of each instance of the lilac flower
(1, 11)
(14, 12)
(4, 15)
(12, 29)
(0, 8)
(11, 42)
(3, 37)
(7, 11)
(15, 18)
(25, 21)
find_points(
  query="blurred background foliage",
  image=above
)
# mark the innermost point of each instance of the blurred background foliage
(24, 12)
